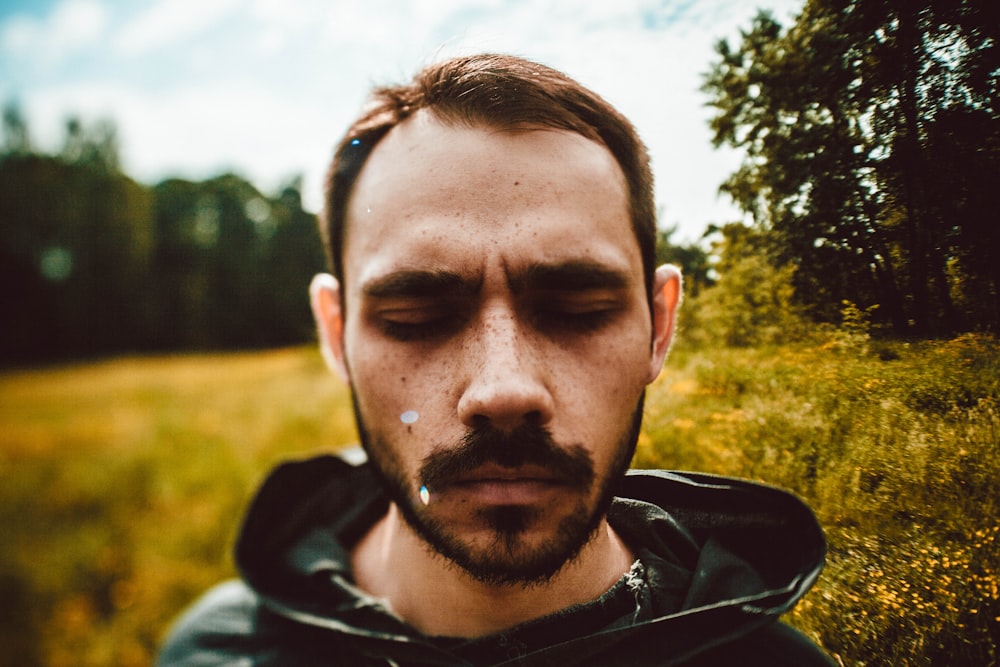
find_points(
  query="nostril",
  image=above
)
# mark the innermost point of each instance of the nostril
(534, 418)
(480, 422)
(530, 418)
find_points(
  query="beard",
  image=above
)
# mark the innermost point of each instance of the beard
(507, 557)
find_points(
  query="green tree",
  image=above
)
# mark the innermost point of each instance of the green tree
(102, 264)
(76, 241)
(845, 119)
(94, 146)
(207, 262)
(294, 254)
(233, 266)
(752, 303)
(692, 258)
(16, 138)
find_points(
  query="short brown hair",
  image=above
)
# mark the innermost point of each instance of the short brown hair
(503, 92)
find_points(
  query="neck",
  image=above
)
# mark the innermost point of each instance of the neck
(439, 599)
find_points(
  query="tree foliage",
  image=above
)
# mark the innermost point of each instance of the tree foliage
(752, 302)
(871, 132)
(104, 264)
(692, 259)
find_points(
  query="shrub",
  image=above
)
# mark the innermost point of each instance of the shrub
(900, 460)
(135, 511)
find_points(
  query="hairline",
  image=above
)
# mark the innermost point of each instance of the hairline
(593, 118)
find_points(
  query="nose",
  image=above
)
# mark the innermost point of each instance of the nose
(506, 377)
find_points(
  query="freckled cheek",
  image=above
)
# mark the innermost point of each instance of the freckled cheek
(596, 398)
(401, 391)
(617, 381)
(614, 363)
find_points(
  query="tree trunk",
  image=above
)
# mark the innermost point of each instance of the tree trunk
(911, 164)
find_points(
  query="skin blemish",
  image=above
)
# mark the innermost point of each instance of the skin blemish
(409, 417)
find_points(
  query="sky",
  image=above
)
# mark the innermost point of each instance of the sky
(265, 88)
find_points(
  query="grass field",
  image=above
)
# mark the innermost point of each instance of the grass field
(123, 483)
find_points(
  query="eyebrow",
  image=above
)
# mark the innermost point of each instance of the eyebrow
(417, 283)
(573, 275)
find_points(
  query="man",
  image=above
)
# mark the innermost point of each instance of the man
(495, 310)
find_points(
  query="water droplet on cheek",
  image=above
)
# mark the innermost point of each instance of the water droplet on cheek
(425, 495)
(409, 417)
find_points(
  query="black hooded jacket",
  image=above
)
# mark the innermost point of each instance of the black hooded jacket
(718, 561)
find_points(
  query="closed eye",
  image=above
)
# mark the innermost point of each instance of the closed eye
(416, 323)
(415, 305)
(576, 313)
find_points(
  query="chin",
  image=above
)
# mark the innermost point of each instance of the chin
(514, 546)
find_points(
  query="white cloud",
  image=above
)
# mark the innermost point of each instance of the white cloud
(77, 24)
(169, 22)
(273, 82)
(19, 34)
(278, 22)
(284, 13)
(71, 27)
(653, 75)
(200, 131)
(271, 41)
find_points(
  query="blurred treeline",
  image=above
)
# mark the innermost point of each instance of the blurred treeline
(871, 136)
(94, 263)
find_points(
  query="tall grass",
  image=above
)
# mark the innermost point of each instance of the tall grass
(123, 483)
(897, 449)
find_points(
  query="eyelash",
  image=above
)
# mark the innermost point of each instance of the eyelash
(418, 331)
(573, 321)
(544, 319)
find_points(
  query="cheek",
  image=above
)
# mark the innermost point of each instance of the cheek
(613, 368)
(597, 399)
(376, 382)
(385, 398)
(399, 394)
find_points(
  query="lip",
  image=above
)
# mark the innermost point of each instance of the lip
(496, 485)
(506, 492)
(498, 473)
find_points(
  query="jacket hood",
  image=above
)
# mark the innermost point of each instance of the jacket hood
(748, 553)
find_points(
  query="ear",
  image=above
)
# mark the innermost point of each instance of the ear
(666, 299)
(324, 295)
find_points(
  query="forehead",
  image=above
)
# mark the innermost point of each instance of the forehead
(462, 197)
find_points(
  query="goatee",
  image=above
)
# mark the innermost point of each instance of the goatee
(508, 558)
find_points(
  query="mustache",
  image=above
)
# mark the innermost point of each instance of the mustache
(527, 444)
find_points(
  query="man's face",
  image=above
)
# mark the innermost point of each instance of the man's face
(497, 337)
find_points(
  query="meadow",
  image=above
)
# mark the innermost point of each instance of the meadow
(124, 481)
